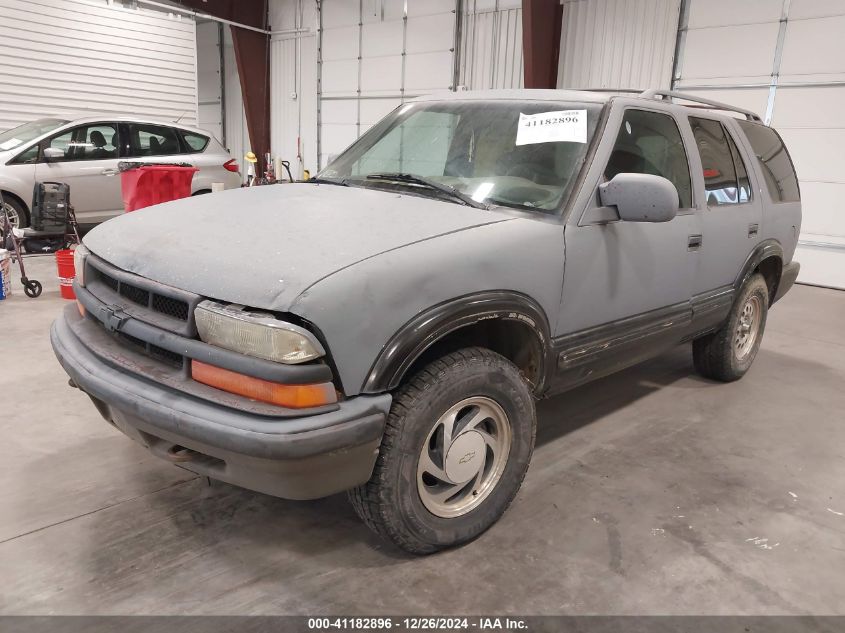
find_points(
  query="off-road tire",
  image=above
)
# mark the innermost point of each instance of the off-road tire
(390, 504)
(715, 355)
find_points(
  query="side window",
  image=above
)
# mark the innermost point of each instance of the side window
(650, 143)
(720, 181)
(774, 161)
(741, 171)
(152, 140)
(195, 142)
(96, 141)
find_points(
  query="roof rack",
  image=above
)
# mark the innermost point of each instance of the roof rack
(705, 103)
(631, 90)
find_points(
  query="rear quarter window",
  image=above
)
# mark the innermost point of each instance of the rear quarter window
(195, 142)
(774, 161)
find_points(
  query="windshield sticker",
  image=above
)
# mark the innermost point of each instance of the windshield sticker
(552, 127)
(11, 143)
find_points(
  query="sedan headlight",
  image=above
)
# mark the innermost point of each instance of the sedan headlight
(80, 254)
(255, 334)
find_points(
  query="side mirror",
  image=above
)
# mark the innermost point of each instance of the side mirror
(52, 154)
(641, 197)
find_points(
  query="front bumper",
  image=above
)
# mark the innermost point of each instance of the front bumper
(304, 457)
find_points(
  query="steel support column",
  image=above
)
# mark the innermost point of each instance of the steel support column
(252, 55)
(541, 25)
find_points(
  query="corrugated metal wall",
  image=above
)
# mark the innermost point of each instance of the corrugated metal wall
(618, 43)
(491, 45)
(794, 76)
(60, 57)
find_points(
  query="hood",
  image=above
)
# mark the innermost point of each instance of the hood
(263, 246)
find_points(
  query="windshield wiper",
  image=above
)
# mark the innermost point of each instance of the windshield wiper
(431, 184)
(328, 181)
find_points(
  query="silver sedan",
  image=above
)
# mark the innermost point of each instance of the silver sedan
(84, 153)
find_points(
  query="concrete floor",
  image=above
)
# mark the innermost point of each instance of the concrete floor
(651, 492)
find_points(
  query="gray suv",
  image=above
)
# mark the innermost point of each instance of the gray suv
(387, 327)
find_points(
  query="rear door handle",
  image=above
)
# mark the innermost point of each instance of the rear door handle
(694, 242)
(109, 171)
(752, 229)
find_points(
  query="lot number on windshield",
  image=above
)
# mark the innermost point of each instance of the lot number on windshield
(552, 127)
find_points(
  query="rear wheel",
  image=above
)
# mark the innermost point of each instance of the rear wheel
(455, 450)
(729, 352)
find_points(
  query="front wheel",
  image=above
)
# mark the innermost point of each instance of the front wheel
(455, 450)
(18, 216)
(728, 353)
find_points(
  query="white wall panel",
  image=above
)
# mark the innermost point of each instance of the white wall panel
(732, 48)
(374, 54)
(814, 46)
(373, 110)
(800, 9)
(731, 12)
(236, 132)
(719, 52)
(617, 43)
(71, 57)
(210, 78)
(293, 84)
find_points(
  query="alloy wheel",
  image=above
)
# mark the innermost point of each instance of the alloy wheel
(463, 457)
(748, 327)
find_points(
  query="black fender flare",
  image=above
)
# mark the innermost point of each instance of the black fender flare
(764, 250)
(431, 325)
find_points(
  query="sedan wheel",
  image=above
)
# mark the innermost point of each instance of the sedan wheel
(13, 213)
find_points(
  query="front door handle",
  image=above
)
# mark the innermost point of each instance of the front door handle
(109, 171)
(752, 230)
(694, 242)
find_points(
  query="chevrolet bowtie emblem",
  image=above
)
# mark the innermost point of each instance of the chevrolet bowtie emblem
(112, 317)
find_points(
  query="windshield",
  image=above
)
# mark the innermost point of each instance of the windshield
(10, 139)
(524, 154)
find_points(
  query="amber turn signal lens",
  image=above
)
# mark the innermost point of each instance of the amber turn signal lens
(81, 308)
(290, 396)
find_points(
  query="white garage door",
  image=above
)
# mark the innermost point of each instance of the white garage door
(786, 60)
(373, 55)
(65, 57)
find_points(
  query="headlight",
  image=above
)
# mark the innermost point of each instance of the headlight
(255, 334)
(80, 254)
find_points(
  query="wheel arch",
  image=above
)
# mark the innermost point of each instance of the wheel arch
(767, 259)
(507, 322)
